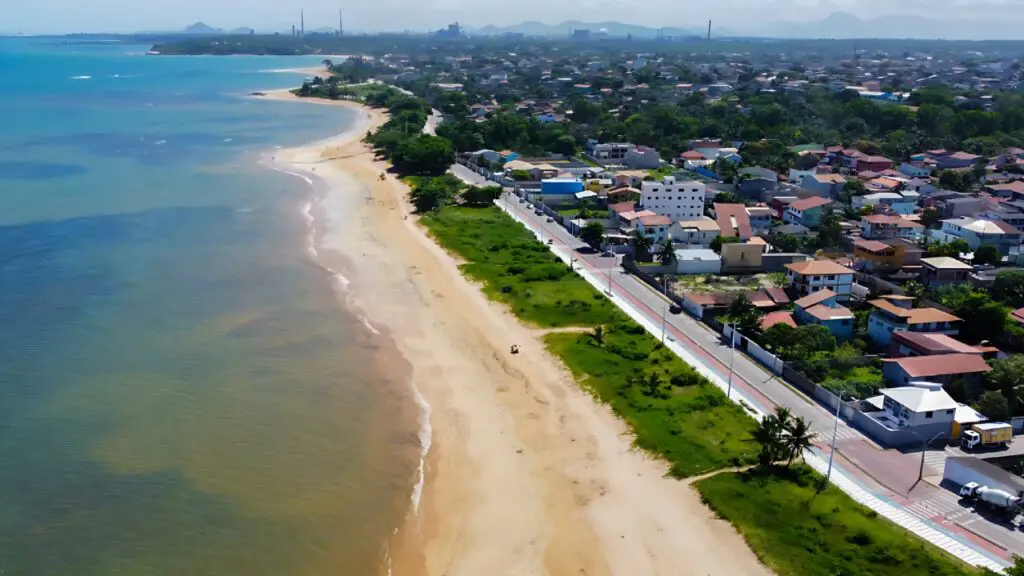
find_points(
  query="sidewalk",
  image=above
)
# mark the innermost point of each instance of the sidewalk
(747, 395)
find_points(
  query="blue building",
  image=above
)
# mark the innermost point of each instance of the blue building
(821, 308)
(560, 188)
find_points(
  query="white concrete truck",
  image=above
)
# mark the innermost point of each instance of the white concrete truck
(993, 497)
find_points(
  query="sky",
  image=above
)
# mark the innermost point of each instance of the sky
(63, 16)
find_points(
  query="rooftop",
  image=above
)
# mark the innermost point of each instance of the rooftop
(814, 298)
(655, 220)
(779, 317)
(921, 397)
(733, 220)
(703, 224)
(914, 315)
(817, 268)
(871, 245)
(945, 263)
(934, 343)
(822, 312)
(941, 365)
(809, 203)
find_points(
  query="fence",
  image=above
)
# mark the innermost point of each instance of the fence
(766, 358)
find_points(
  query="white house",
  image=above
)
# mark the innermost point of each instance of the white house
(915, 171)
(699, 232)
(607, 152)
(698, 261)
(919, 404)
(676, 200)
(815, 275)
(980, 233)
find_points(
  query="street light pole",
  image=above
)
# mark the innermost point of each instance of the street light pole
(664, 310)
(835, 430)
(608, 292)
(924, 450)
(732, 359)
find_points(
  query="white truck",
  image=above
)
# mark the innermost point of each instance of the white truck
(992, 497)
(987, 435)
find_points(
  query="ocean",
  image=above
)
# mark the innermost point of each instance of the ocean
(181, 389)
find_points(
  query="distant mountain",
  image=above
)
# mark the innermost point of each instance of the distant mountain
(200, 28)
(844, 25)
(534, 28)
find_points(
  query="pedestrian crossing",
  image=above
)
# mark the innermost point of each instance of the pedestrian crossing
(936, 461)
(940, 505)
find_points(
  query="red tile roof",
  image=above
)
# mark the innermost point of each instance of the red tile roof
(726, 214)
(934, 343)
(778, 295)
(808, 203)
(817, 268)
(622, 207)
(942, 365)
(871, 245)
(780, 317)
(655, 220)
(691, 155)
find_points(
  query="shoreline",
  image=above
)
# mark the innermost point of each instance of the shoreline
(526, 473)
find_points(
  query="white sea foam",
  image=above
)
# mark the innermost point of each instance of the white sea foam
(426, 434)
(369, 326)
(81, 77)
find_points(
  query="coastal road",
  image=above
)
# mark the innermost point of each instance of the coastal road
(889, 474)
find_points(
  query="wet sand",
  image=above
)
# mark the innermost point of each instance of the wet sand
(526, 473)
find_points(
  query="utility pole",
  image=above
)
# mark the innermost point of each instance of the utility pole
(664, 310)
(709, 30)
(302, 21)
(732, 359)
(341, 24)
(835, 430)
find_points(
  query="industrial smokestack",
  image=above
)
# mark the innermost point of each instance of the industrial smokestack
(302, 21)
(341, 24)
(709, 29)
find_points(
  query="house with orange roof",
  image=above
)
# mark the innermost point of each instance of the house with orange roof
(883, 226)
(896, 314)
(822, 309)
(803, 278)
(941, 369)
(806, 211)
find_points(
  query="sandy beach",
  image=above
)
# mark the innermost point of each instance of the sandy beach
(526, 473)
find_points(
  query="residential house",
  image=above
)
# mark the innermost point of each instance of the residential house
(958, 204)
(941, 369)
(676, 200)
(733, 221)
(885, 257)
(778, 317)
(807, 211)
(895, 314)
(943, 270)
(1013, 189)
(811, 276)
(977, 232)
(910, 413)
(614, 210)
(892, 201)
(884, 226)
(642, 157)
(956, 160)
(611, 152)
(632, 178)
(822, 308)
(929, 344)
(698, 232)
(760, 219)
(915, 170)
(824, 185)
(654, 227)
(873, 163)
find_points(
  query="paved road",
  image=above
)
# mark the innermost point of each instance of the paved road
(890, 474)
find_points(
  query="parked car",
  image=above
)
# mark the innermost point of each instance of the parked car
(607, 254)
(675, 308)
(550, 219)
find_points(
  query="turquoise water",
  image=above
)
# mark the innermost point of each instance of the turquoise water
(180, 392)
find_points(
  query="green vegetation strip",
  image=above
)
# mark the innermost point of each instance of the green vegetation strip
(516, 269)
(797, 531)
(677, 413)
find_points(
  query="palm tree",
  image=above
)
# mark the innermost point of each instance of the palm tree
(667, 254)
(767, 435)
(653, 384)
(799, 439)
(641, 243)
(598, 335)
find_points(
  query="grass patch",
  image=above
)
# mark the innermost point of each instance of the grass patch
(516, 269)
(797, 532)
(685, 418)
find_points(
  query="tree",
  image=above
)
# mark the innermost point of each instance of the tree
(930, 217)
(1008, 288)
(775, 435)
(987, 254)
(521, 175)
(598, 335)
(719, 241)
(423, 155)
(984, 318)
(914, 289)
(434, 193)
(479, 196)
(641, 244)
(950, 249)
(780, 338)
(593, 234)
(743, 315)
(1007, 377)
(800, 438)
(993, 405)
(788, 243)
(667, 255)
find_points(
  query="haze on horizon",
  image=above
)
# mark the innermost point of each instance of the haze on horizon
(733, 16)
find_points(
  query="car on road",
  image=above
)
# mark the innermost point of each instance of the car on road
(550, 219)
(551, 241)
(675, 308)
(538, 212)
(607, 254)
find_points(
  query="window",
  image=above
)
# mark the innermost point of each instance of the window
(928, 414)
